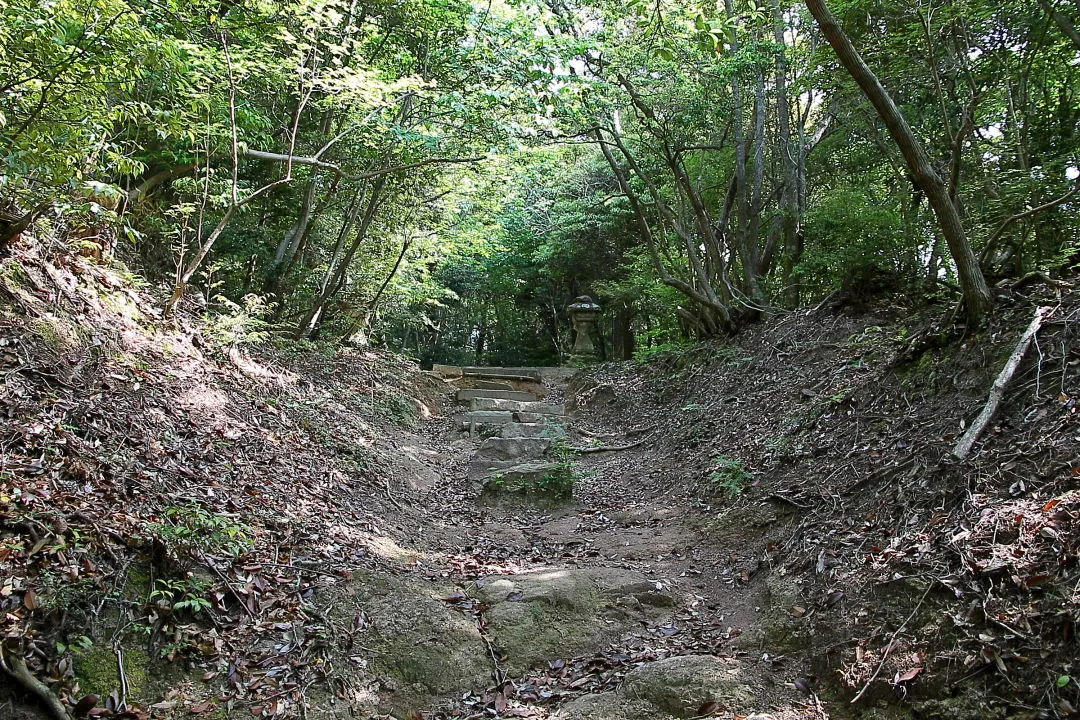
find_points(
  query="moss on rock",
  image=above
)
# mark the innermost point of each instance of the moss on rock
(97, 672)
(538, 617)
(680, 685)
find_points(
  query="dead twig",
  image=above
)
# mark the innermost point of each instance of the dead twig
(301, 569)
(997, 391)
(789, 501)
(889, 645)
(609, 448)
(390, 494)
(121, 704)
(229, 585)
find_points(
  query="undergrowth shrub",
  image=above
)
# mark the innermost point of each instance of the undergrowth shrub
(191, 530)
(729, 478)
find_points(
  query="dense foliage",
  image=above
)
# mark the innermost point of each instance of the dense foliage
(445, 177)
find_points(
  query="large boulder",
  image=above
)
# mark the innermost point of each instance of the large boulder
(538, 617)
(609, 706)
(498, 448)
(681, 685)
(417, 647)
(533, 430)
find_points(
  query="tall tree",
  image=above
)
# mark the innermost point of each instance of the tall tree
(977, 297)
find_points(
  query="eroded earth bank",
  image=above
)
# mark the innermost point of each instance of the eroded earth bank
(773, 526)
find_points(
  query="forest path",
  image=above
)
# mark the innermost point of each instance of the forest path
(612, 605)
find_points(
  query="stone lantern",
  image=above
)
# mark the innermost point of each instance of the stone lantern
(583, 314)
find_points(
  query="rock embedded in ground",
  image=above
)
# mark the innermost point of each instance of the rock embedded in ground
(497, 448)
(609, 706)
(538, 617)
(680, 685)
(418, 647)
(781, 631)
(533, 430)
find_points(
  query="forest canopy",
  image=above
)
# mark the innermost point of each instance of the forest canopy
(445, 177)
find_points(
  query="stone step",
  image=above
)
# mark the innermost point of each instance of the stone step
(498, 448)
(533, 418)
(464, 396)
(501, 372)
(538, 408)
(483, 417)
(446, 371)
(491, 385)
(512, 475)
(533, 430)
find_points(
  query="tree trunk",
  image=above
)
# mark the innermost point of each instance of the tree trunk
(1063, 22)
(712, 308)
(336, 280)
(364, 321)
(622, 332)
(290, 243)
(789, 197)
(977, 298)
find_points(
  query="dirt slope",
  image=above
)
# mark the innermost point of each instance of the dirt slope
(838, 532)
(192, 526)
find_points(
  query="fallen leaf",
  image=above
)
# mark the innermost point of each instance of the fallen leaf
(909, 674)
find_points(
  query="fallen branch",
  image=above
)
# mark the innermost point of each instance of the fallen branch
(1039, 276)
(21, 674)
(997, 391)
(609, 448)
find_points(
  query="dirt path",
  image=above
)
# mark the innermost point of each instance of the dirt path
(613, 525)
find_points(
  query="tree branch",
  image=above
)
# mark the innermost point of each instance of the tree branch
(315, 162)
(1062, 21)
(1020, 216)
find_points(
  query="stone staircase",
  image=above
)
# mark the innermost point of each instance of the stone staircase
(503, 409)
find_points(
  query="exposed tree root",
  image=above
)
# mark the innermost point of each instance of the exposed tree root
(16, 668)
(609, 448)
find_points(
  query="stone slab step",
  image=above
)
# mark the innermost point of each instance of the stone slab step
(500, 372)
(491, 385)
(483, 403)
(513, 475)
(446, 371)
(533, 418)
(498, 448)
(464, 396)
(533, 430)
(483, 417)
